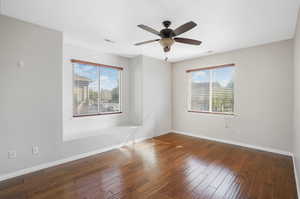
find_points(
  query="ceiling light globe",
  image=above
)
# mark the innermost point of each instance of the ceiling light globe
(166, 42)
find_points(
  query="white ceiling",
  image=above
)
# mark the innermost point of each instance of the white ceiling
(222, 24)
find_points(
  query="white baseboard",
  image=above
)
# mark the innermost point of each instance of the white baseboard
(236, 143)
(65, 160)
(296, 175)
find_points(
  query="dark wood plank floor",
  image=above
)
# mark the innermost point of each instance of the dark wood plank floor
(171, 166)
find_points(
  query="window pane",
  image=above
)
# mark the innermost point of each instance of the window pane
(109, 90)
(86, 89)
(200, 90)
(222, 90)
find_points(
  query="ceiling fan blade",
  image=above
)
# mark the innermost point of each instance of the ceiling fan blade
(146, 42)
(149, 29)
(187, 41)
(185, 27)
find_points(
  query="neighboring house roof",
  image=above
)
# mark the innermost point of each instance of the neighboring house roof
(81, 78)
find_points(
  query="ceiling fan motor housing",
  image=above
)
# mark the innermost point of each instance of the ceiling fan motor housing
(166, 33)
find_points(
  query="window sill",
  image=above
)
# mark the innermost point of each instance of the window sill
(214, 113)
(75, 116)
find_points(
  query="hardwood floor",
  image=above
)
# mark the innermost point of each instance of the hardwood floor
(171, 166)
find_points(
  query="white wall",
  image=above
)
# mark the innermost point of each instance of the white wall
(296, 135)
(36, 100)
(263, 97)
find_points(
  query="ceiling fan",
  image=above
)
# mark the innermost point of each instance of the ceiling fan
(168, 36)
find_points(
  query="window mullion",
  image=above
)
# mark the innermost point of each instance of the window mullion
(189, 98)
(210, 89)
(120, 91)
(99, 94)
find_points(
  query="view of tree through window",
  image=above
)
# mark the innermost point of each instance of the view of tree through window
(212, 90)
(96, 89)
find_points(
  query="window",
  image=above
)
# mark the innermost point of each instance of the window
(96, 89)
(211, 89)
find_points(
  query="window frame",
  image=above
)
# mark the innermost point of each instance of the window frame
(74, 61)
(210, 96)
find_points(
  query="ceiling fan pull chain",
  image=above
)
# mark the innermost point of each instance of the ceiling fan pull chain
(166, 56)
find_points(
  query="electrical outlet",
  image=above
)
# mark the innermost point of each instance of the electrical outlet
(35, 150)
(227, 122)
(12, 154)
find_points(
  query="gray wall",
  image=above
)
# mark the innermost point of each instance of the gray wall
(31, 96)
(136, 89)
(157, 94)
(31, 101)
(151, 94)
(296, 136)
(263, 97)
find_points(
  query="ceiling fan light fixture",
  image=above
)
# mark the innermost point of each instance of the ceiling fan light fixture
(166, 42)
